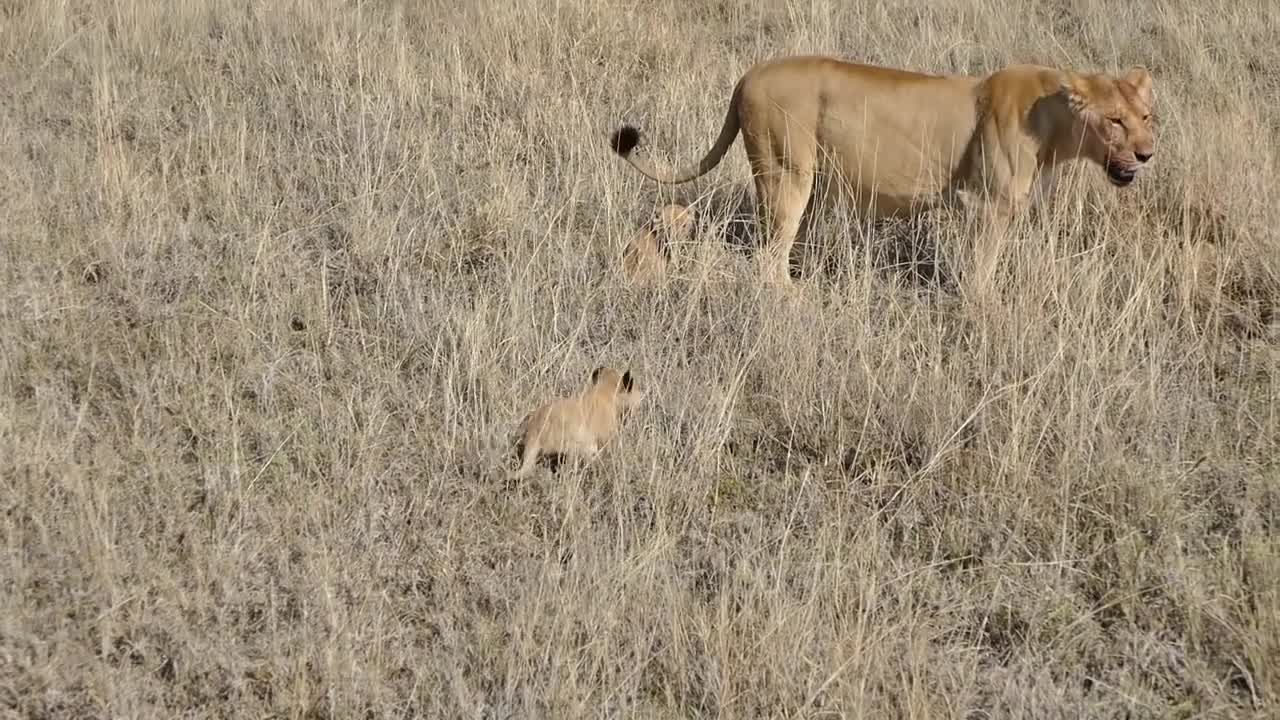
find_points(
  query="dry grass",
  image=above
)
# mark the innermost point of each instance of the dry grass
(272, 280)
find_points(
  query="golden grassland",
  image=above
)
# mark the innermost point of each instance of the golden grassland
(276, 279)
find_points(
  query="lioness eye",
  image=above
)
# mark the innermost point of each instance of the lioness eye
(1116, 121)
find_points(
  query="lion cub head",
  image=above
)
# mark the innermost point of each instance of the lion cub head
(577, 427)
(648, 252)
(1114, 114)
(610, 385)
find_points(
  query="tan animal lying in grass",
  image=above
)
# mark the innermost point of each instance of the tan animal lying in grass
(902, 141)
(647, 254)
(576, 426)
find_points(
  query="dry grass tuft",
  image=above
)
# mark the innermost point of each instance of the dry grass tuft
(274, 279)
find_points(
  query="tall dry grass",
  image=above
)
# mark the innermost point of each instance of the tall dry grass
(273, 278)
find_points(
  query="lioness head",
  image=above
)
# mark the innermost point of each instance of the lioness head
(1115, 116)
(621, 384)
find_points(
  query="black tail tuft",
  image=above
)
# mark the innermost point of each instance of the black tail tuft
(624, 140)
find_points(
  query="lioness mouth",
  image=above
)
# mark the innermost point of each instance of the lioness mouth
(1120, 176)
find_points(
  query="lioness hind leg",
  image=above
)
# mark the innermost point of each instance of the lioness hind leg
(782, 195)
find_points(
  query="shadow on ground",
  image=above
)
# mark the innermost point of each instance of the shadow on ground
(830, 243)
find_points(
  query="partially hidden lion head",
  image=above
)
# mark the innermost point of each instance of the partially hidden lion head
(621, 385)
(648, 252)
(1115, 114)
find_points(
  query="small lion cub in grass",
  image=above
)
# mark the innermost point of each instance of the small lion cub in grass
(576, 426)
(648, 252)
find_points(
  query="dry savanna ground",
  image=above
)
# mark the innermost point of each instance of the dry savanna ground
(276, 279)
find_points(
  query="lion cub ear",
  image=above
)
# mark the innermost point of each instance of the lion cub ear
(1140, 78)
(628, 382)
(595, 375)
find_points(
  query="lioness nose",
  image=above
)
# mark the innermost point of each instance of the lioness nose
(1142, 157)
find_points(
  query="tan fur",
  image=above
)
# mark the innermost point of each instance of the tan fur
(900, 142)
(648, 252)
(577, 426)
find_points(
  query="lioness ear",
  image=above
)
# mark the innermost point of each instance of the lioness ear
(628, 382)
(595, 375)
(1140, 78)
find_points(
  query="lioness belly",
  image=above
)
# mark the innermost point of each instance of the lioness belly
(894, 179)
(895, 141)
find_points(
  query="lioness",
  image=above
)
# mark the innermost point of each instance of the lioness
(905, 141)
(578, 426)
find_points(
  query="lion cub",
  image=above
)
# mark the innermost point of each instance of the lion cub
(578, 426)
(648, 252)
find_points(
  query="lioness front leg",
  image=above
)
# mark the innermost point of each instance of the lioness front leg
(998, 217)
(1006, 200)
